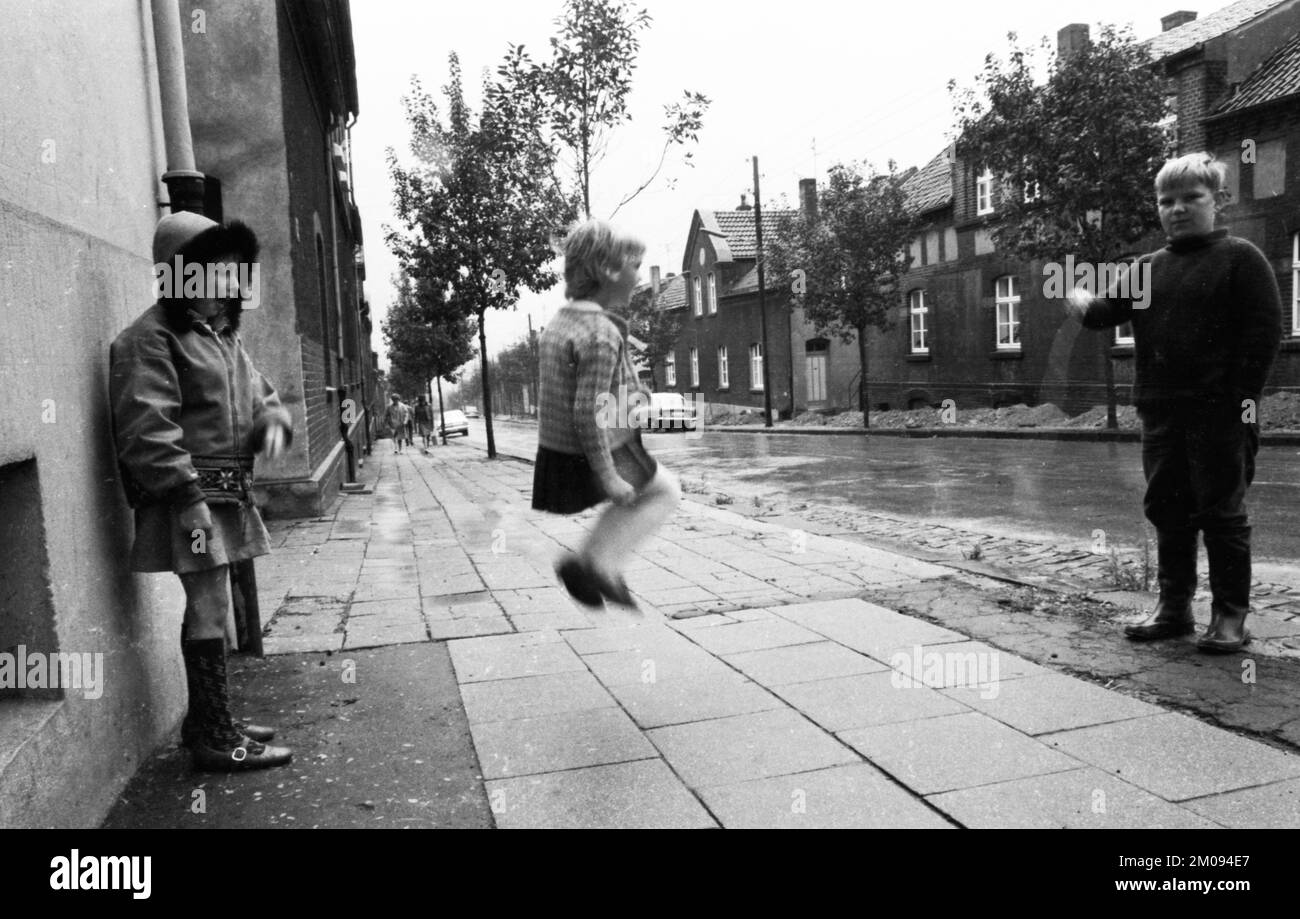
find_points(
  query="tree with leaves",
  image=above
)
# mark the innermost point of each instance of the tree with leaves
(584, 87)
(428, 339)
(479, 207)
(1076, 155)
(654, 328)
(843, 266)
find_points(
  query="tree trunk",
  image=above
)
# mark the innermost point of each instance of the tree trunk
(1112, 419)
(487, 385)
(862, 382)
(441, 411)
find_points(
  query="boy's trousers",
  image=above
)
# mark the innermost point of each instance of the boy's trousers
(1199, 459)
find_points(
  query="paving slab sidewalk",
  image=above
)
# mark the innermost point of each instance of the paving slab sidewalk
(756, 688)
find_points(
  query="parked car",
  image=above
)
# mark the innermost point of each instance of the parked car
(471, 411)
(668, 411)
(453, 421)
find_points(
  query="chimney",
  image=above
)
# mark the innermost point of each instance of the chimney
(654, 283)
(1070, 40)
(743, 205)
(808, 198)
(1174, 20)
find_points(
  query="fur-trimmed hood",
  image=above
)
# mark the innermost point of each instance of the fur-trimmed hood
(196, 238)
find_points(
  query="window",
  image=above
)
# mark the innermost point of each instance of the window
(932, 247)
(756, 367)
(1230, 157)
(984, 193)
(1032, 191)
(695, 367)
(1008, 308)
(815, 354)
(1270, 169)
(697, 302)
(950, 244)
(1295, 285)
(670, 370)
(713, 293)
(724, 374)
(918, 310)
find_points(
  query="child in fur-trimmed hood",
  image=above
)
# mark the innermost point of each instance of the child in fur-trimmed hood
(190, 412)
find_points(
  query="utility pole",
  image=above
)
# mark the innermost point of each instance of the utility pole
(762, 299)
(537, 369)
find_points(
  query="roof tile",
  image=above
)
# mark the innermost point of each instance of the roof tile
(1277, 78)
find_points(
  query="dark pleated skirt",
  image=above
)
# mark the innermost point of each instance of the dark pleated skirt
(563, 483)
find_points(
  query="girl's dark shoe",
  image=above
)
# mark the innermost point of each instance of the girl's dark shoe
(616, 589)
(257, 732)
(242, 756)
(579, 581)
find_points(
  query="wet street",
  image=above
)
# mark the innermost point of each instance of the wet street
(1045, 488)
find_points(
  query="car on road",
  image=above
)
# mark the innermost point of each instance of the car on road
(667, 411)
(471, 411)
(453, 421)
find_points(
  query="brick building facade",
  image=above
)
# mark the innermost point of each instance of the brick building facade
(974, 327)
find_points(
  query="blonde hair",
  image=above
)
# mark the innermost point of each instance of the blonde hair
(592, 250)
(1194, 167)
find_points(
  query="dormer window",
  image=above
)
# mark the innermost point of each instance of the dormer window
(984, 193)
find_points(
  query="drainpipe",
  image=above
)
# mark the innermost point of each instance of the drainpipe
(184, 182)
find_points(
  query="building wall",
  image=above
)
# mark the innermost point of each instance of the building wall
(274, 161)
(79, 161)
(235, 60)
(1270, 222)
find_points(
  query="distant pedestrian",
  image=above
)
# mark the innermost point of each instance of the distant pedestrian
(409, 426)
(395, 417)
(585, 454)
(424, 419)
(1203, 348)
(190, 411)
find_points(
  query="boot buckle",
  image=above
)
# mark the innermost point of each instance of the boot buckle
(239, 754)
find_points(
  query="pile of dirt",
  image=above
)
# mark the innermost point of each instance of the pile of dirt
(1280, 412)
(905, 418)
(1277, 412)
(1095, 418)
(845, 420)
(724, 419)
(809, 420)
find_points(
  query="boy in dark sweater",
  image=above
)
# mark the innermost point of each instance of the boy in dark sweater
(1202, 352)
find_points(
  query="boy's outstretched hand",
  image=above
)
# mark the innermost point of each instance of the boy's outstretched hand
(1076, 304)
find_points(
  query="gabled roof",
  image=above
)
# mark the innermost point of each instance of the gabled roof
(1276, 78)
(1220, 22)
(738, 228)
(931, 186)
(673, 294)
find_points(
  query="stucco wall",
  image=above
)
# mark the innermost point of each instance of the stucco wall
(79, 163)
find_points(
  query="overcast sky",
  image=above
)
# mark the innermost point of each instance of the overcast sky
(857, 80)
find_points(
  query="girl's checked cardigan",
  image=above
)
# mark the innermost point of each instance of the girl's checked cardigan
(583, 354)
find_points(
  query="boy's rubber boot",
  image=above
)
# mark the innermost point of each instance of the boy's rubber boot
(190, 726)
(1229, 554)
(1176, 574)
(219, 747)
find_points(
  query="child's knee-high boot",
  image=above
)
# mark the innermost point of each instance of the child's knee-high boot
(1176, 574)
(1229, 555)
(190, 726)
(218, 745)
